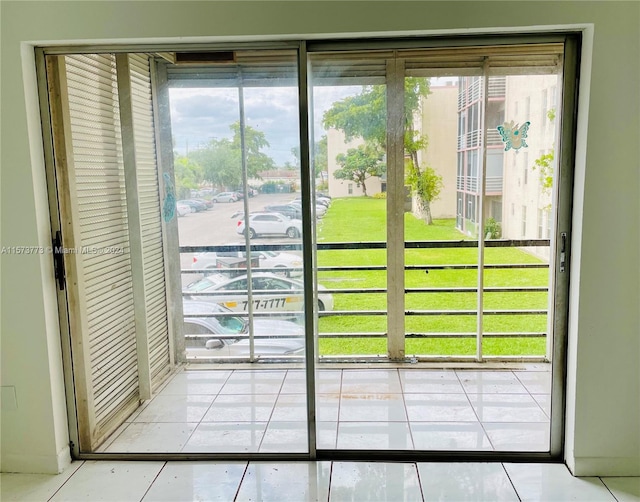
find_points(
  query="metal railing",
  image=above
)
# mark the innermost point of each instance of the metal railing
(409, 313)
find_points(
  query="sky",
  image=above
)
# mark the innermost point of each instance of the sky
(198, 115)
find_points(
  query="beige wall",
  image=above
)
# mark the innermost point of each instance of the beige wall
(340, 188)
(440, 125)
(603, 379)
(522, 185)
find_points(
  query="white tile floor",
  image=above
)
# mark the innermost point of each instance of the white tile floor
(409, 409)
(310, 481)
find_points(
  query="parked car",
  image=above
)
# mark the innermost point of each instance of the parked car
(288, 264)
(319, 200)
(225, 197)
(208, 203)
(271, 336)
(182, 209)
(270, 293)
(321, 209)
(289, 210)
(270, 224)
(195, 206)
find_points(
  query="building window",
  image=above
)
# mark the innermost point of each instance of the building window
(540, 223)
(526, 167)
(524, 220)
(350, 188)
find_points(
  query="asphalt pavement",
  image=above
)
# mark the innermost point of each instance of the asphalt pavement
(217, 226)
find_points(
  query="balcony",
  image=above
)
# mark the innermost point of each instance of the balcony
(357, 315)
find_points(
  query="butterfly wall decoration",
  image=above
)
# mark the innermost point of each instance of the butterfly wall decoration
(514, 135)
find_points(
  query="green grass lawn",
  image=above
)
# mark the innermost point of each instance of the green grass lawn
(364, 220)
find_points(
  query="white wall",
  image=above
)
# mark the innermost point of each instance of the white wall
(603, 401)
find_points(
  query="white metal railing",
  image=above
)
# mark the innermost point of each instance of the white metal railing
(493, 137)
(493, 184)
(497, 87)
(358, 333)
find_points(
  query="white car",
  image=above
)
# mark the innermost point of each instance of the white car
(211, 335)
(270, 224)
(183, 209)
(288, 264)
(225, 197)
(270, 293)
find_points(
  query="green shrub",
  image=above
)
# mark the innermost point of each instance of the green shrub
(492, 229)
(380, 195)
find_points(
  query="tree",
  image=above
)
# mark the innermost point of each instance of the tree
(320, 162)
(427, 184)
(188, 175)
(365, 116)
(359, 164)
(221, 159)
(545, 163)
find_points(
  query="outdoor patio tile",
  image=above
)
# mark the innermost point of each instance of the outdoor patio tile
(439, 408)
(370, 382)
(430, 381)
(374, 435)
(544, 401)
(175, 408)
(536, 382)
(226, 437)
(290, 407)
(295, 382)
(327, 407)
(449, 436)
(152, 437)
(241, 408)
(196, 382)
(518, 436)
(490, 382)
(284, 437)
(507, 408)
(372, 407)
(328, 381)
(254, 382)
(326, 434)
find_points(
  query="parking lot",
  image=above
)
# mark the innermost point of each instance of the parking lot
(217, 226)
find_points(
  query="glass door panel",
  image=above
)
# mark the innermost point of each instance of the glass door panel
(443, 165)
(236, 143)
(349, 137)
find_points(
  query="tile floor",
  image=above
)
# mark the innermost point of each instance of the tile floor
(407, 409)
(314, 481)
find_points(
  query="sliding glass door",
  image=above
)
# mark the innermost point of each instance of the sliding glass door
(332, 248)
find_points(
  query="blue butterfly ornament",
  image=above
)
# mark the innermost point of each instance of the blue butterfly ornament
(514, 135)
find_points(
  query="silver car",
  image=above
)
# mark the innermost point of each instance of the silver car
(211, 335)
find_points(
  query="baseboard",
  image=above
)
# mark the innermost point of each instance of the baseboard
(36, 464)
(605, 466)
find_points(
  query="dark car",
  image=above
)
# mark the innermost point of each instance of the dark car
(288, 210)
(195, 205)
